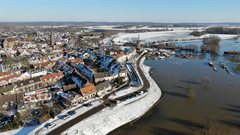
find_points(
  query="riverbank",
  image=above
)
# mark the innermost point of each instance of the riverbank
(111, 118)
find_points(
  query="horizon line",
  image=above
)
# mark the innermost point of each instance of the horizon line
(113, 22)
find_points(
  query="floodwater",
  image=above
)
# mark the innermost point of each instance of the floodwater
(214, 100)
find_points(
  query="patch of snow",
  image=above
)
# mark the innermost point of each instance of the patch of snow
(118, 27)
(153, 36)
(221, 36)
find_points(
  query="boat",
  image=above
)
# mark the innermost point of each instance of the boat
(223, 65)
(214, 68)
(210, 64)
(228, 71)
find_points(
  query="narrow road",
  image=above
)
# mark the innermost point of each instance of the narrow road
(91, 112)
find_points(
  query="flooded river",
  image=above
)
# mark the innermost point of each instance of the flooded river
(195, 97)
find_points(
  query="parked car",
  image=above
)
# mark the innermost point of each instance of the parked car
(141, 92)
(71, 113)
(63, 117)
(50, 125)
(66, 116)
(87, 104)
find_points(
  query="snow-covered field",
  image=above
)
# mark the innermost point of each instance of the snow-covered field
(118, 27)
(111, 118)
(221, 36)
(180, 34)
(153, 36)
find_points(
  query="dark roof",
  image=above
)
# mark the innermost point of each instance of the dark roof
(27, 82)
(102, 85)
(77, 81)
(1, 40)
(102, 74)
(15, 98)
(6, 88)
(85, 71)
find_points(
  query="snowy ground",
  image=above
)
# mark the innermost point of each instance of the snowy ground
(111, 118)
(221, 36)
(108, 41)
(153, 36)
(117, 27)
(178, 34)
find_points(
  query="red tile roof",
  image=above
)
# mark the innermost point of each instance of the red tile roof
(10, 77)
(88, 90)
(52, 76)
(77, 61)
(45, 64)
(2, 74)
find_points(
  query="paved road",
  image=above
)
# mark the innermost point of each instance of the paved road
(145, 82)
(72, 122)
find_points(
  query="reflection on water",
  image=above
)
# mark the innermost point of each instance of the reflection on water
(215, 101)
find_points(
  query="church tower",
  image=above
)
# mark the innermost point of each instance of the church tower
(52, 38)
(138, 46)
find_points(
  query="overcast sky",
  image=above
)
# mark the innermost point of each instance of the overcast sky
(121, 10)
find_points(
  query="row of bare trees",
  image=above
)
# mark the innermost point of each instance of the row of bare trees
(211, 44)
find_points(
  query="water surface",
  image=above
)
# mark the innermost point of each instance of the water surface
(216, 102)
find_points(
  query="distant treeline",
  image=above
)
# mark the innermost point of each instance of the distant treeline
(217, 30)
(223, 30)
